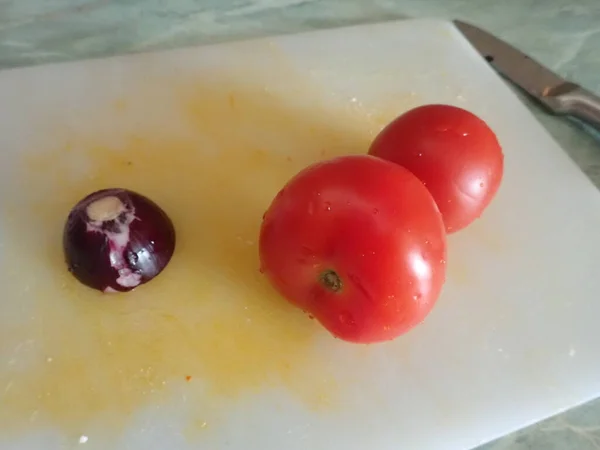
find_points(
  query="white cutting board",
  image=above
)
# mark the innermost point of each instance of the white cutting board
(206, 355)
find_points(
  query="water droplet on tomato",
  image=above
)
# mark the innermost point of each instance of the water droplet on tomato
(442, 261)
(375, 211)
(417, 297)
(481, 185)
(346, 319)
(327, 206)
(420, 154)
(465, 134)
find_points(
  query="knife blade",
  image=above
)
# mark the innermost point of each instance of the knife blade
(556, 94)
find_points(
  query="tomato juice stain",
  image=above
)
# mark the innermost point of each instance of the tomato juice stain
(212, 154)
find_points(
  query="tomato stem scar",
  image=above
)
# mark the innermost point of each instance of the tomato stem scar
(331, 280)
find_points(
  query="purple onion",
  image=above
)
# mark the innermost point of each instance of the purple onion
(114, 240)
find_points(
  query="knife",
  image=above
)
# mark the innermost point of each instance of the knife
(558, 95)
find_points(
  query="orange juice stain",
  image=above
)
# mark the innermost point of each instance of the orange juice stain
(120, 105)
(212, 154)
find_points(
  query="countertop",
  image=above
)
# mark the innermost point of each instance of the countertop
(563, 34)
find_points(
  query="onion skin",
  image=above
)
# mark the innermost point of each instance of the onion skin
(115, 240)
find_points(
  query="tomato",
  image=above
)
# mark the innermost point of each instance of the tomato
(453, 152)
(359, 244)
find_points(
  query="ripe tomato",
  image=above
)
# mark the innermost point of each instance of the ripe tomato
(358, 243)
(453, 152)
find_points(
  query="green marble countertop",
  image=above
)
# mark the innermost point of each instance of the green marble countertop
(563, 34)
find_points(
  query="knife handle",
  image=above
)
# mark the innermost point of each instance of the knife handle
(578, 102)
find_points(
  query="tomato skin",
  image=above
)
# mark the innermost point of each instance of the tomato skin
(453, 152)
(372, 223)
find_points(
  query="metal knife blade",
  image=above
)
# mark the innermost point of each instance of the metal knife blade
(519, 68)
(557, 94)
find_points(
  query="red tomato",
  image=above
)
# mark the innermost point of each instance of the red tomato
(358, 243)
(453, 152)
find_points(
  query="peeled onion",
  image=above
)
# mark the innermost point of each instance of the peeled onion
(115, 240)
